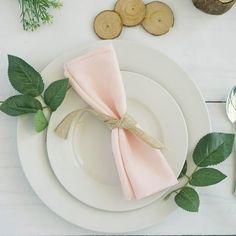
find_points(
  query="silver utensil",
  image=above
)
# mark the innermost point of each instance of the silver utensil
(231, 113)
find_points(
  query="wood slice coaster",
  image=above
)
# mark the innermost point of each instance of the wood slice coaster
(132, 12)
(159, 18)
(107, 25)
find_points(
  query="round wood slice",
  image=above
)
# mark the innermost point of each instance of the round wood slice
(107, 25)
(159, 18)
(214, 7)
(132, 12)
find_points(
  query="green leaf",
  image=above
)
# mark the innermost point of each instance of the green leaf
(19, 105)
(206, 177)
(40, 121)
(183, 171)
(23, 77)
(188, 199)
(213, 148)
(55, 93)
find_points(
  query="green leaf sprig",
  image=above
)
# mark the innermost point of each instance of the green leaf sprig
(34, 13)
(211, 150)
(27, 81)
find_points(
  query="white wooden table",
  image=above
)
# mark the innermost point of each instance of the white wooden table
(202, 44)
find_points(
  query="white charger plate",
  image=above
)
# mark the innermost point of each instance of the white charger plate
(132, 57)
(84, 163)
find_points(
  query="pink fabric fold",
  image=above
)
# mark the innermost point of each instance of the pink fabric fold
(142, 169)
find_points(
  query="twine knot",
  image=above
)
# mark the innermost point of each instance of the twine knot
(125, 122)
(120, 122)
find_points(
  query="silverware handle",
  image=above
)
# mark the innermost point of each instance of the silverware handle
(234, 159)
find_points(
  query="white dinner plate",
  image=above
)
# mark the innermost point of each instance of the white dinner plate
(33, 155)
(84, 163)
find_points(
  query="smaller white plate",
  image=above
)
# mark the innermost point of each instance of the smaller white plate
(84, 162)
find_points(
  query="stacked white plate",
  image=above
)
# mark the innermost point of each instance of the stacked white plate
(77, 178)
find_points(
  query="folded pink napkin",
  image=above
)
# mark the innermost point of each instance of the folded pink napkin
(142, 169)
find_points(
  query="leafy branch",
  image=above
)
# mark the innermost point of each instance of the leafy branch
(33, 99)
(34, 13)
(211, 150)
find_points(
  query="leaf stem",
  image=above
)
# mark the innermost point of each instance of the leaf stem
(175, 191)
(178, 189)
(41, 96)
(169, 194)
(188, 177)
(45, 106)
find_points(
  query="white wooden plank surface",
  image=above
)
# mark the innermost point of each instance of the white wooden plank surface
(203, 45)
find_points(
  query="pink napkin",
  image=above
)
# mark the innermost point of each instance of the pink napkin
(142, 169)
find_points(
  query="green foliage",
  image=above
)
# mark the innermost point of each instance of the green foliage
(183, 171)
(40, 121)
(26, 80)
(55, 93)
(34, 13)
(212, 149)
(188, 199)
(23, 77)
(206, 176)
(19, 105)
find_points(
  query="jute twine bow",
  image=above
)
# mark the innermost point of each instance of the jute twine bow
(126, 122)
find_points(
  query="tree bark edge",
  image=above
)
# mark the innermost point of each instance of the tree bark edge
(214, 7)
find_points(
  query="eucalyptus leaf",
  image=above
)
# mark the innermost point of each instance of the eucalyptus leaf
(188, 199)
(40, 121)
(20, 104)
(23, 77)
(212, 149)
(206, 177)
(183, 171)
(55, 93)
